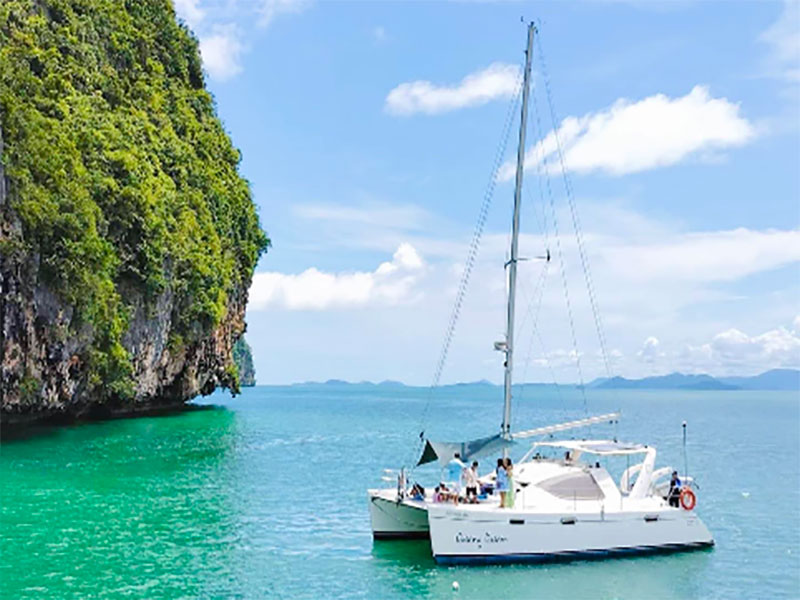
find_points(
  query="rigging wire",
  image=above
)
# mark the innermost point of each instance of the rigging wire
(546, 233)
(472, 254)
(538, 295)
(535, 332)
(574, 213)
(562, 264)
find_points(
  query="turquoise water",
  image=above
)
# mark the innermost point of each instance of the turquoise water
(264, 496)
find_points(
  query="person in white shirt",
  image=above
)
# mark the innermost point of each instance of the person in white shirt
(455, 469)
(471, 482)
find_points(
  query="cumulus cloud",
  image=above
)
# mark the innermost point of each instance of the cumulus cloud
(733, 348)
(393, 282)
(650, 351)
(783, 38)
(221, 52)
(629, 137)
(189, 11)
(498, 80)
(556, 359)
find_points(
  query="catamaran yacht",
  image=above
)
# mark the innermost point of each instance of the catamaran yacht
(566, 503)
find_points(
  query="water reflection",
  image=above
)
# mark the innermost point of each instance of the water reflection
(655, 576)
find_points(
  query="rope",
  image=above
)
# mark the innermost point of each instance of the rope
(472, 254)
(574, 213)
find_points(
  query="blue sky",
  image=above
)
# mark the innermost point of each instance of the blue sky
(369, 131)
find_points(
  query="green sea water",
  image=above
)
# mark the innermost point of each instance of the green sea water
(263, 496)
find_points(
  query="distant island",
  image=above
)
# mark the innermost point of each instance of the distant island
(774, 379)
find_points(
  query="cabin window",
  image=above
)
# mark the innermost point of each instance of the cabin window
(577, 486)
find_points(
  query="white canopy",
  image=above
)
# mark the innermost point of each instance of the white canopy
(598, 447)
(610, 418)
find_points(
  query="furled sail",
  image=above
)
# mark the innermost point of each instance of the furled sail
(444, 451)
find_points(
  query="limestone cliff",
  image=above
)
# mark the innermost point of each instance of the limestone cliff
(127, 236)
(243, 357)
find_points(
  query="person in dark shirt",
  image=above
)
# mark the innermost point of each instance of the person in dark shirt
(674, 490)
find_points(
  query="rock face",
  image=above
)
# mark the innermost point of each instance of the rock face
(43, 374)
(130, 294)
(243, 357)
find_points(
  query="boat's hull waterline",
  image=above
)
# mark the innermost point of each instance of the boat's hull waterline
(461, 536)
(393, 520)
(472, 535)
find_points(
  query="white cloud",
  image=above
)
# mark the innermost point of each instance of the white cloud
(783, 37)
(630, 136)
(556, 359)
(189, 11)
(221, 52)
(391, 283)
(498, 80)
(733, 350)
(650, 351)
(651, 278)
(269, 9)
(710, 256)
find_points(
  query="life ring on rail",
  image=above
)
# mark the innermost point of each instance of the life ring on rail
(688, 499)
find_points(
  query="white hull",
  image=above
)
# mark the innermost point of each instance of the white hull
(473, 534)
(407, 519)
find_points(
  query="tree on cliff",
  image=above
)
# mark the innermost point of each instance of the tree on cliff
(128, 238)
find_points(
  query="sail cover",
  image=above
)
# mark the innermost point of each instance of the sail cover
(444, 451)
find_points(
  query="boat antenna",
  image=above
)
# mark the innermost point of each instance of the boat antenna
(508, 347)
(685, 458)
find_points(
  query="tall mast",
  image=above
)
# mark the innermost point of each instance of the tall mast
(512, 263)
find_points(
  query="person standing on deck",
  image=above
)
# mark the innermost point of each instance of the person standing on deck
(510, 474)
(502, 481)
(674, 490)
(471, 482)
(455, 469)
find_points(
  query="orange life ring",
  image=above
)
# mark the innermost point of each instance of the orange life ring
(688, 499)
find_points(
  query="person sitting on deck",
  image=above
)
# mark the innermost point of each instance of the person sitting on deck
(438, 496)
(417, 492)
(471, 481)
(674, 495)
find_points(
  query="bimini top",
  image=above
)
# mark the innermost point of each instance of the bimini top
(599, 447)
(444, 451)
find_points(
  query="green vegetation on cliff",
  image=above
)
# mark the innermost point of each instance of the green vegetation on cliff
(120, 172)
(243, 357)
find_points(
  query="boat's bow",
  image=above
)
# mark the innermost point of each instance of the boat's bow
(394, 518)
